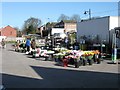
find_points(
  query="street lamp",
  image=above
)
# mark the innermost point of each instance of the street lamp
(88, 12)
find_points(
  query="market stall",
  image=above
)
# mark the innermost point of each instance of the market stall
(78, 57)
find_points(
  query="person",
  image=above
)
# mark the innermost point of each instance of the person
(28, 45)
(66, 42)
(3, 43)
(33, 44)
(22, 46)
(17, 44)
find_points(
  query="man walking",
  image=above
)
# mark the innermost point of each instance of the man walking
(28, 45)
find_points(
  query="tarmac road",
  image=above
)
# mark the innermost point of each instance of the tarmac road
(21, 71)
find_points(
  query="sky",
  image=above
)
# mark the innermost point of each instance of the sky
(15, 13)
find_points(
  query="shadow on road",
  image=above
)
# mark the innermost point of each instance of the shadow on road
(13, 81)
(112, 63)
(62, 78)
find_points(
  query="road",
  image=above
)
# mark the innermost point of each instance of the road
(22, 71)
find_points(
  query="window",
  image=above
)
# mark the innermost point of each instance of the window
(11, 33)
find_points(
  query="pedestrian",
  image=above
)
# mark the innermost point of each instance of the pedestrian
(33, 44)
(28, 45)
(66, 42)
(24, 46)
(94, 58)
(3, 43)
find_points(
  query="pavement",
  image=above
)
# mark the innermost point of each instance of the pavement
(23, 71)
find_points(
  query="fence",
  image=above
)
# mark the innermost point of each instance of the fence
(14, 38)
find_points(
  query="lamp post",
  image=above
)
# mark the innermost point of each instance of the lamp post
(88, 12)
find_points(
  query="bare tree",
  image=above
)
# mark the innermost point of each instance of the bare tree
(76, 18)
(63, 17)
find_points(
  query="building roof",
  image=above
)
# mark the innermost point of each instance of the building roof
(7, 27)
(93, 18)
(69, 21)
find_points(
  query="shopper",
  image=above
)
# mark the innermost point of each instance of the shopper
(28, 45)
(3, 43)
(33, 44)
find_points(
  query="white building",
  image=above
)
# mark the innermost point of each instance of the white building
(102, 27)
(58, 32)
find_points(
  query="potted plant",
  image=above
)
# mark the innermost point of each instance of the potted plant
(90, 61)
(56, 58)
(65, 61)
(96, 56)
(84, 59)
(77, 61)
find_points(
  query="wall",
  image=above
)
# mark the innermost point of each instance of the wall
(14, 38)
(113, 22)
(57, 30)
(9, 31)
(98, 26)
(70, 27)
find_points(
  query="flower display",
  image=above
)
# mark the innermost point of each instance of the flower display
(78, 56)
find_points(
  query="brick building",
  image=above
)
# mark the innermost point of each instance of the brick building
(8, 31)
(68, 25)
